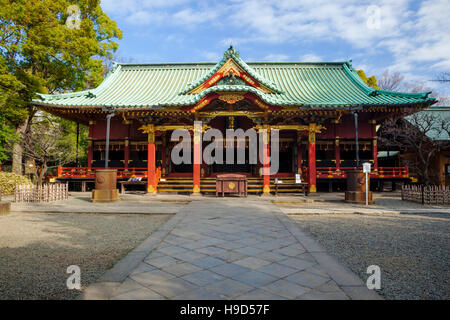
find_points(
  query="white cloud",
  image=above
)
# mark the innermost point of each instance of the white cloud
(310, 57)
(276, 57)
(212, 56)
(144, 18)
(124, 7)
(414, 38)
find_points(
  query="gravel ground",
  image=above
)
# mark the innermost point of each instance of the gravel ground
(37, 248)
(411, 250)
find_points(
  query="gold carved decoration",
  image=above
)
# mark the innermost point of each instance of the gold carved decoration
(149, 129)
(231, 123)
(261, 104)
(248, 79)
(201, 104)
(214, 79)
(231, 97)
(231, 186)
(312, 137)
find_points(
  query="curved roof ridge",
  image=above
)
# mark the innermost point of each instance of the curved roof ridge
(353, 75)
(110, 76)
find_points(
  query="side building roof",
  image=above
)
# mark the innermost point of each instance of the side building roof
(437, 114)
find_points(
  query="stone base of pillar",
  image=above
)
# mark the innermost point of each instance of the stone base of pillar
(105, 195)
(266, 191)
(151, 190)
(196, 191)
(358, 197)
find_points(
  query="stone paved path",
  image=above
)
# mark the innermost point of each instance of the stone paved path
(229, 249)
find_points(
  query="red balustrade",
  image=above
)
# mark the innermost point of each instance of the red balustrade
(83, 172)
(382, 172)
(322, 172)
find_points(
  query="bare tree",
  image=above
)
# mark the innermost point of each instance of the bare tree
(109, 62)
(391, 81)
(423, 134)
(46, 144)
(442, 77)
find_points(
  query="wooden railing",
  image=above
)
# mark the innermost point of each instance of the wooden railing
(41, 193)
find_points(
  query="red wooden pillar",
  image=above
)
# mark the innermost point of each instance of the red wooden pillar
(375, 153)
(299, 152)
(337, 153)
(312, 159)
(374, 144)
(266, 160)
(126, 153)
(197, 160)
(151, 160)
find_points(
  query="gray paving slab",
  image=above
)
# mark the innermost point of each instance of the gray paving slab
(181, 269)
(259, 294)
(255, 278)
(172, 287)
(252, 262)
(229, 288)
(307, 279)
(229, 249)
(298, 264)
(198, 294)
(286, 289)
(229, 269)
(277, 270)
(207, 262)
(139, 294)
(203, 277)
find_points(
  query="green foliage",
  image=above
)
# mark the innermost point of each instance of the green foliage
(8, 180)
(7, 138)
(370, 81)
(40, 54)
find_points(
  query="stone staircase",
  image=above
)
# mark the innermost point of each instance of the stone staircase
(208, 185)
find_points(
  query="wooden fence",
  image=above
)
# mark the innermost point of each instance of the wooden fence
(41, 193)
(426, 194)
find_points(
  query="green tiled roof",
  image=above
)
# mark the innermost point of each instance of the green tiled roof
(438, 114)
(230, 53)
(306, 85)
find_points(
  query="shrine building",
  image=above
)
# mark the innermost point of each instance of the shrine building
(311, 103)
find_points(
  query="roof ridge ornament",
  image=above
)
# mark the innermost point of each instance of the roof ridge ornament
(230, 52)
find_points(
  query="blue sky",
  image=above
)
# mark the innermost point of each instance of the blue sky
(411, 37)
